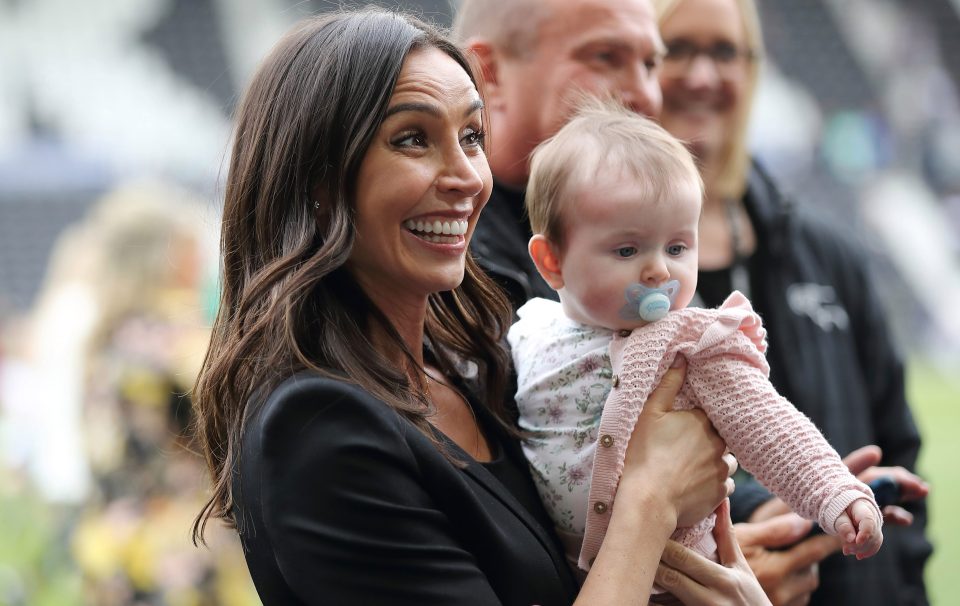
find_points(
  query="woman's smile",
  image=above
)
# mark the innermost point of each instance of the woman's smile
(438, 231)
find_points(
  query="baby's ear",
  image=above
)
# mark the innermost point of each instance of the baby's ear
(547, 260)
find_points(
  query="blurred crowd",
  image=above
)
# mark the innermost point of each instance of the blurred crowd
(97, 407)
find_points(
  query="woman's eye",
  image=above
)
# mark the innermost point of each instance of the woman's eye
(676, 249)
(411, 140)
(473, 138)
(626, 251)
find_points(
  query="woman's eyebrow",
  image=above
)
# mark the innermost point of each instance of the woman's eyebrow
(476, 106)
(424, 108)
(432, 110)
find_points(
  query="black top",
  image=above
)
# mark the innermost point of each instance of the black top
(714, 286)
(340, 500)
(515, 477)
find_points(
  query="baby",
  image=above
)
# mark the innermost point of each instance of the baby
(614, 203)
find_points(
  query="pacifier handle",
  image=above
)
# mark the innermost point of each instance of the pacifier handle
(654, 306)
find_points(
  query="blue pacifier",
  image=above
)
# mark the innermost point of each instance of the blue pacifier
(649, 304)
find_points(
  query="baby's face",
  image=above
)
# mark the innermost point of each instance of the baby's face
(615, 239)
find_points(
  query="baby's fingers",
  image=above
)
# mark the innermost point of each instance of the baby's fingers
(869, 538)
(846, 532)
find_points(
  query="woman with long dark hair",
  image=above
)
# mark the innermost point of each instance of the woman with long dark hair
(351, 405)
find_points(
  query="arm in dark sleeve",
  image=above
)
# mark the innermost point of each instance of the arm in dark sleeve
(347, 512)
(896, 432)
(749, 495)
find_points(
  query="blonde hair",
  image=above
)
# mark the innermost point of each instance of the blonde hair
(604, 136)
(138, 246)
(734, 156)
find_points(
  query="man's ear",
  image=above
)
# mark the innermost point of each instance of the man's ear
(487, 60)
(547, 260)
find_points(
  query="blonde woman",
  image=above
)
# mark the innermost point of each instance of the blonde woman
(830, 350)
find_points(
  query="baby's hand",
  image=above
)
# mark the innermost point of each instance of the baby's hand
(859, 529)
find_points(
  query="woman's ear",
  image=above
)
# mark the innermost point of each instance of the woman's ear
(319, 206)
(547, 260)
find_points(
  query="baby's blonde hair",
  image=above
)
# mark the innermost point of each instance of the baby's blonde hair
(604, 138)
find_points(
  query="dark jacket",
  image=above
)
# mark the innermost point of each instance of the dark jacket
(340, 500)
(499, 244)
(830, 354)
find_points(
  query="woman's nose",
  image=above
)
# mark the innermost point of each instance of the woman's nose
(702, 72)
(461, 173)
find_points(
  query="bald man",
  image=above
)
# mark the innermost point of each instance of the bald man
(538, 57)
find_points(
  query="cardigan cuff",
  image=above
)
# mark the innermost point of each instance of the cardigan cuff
(839, 504)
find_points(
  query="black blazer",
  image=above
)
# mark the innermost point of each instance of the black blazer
(340, 500)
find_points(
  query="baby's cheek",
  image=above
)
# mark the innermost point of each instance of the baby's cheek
(596, 301)
(605, 304)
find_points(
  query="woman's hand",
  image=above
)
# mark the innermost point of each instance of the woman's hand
(694, 579)
(680, 452)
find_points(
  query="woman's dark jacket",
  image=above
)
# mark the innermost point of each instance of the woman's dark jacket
(830, 354)
(340, 500)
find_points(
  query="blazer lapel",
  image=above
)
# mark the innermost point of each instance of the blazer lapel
(486, 479)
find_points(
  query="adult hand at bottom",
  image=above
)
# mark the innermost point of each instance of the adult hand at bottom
(695, 580)
(788, 577)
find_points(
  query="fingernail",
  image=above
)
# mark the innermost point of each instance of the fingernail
(679, 362)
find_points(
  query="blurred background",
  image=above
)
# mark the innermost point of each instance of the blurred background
(114, 132)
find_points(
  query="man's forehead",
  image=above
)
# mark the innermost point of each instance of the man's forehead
(582, 17)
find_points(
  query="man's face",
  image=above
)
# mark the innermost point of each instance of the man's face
(600, 47)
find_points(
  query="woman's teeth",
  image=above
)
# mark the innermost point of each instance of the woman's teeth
(439, 228)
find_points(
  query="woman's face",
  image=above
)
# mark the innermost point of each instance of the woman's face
(704, 74)
(421, 184)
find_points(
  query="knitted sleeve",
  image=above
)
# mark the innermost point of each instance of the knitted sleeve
(768, 435)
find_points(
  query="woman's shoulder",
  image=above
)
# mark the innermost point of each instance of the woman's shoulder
(308, 403)
(310, 385)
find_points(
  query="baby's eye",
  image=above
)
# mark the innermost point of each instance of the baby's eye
(676, 249)
(626, 251)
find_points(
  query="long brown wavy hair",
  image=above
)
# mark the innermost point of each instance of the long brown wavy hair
(288, 303)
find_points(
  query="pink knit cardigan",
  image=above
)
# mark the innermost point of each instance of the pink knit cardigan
(727, 378)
